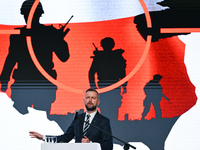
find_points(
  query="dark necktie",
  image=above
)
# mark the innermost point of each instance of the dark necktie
(86, 125)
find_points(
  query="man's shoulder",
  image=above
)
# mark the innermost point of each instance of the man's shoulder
(102, 117)
(81, 114)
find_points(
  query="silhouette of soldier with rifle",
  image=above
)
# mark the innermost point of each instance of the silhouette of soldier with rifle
(109, 65)
(31, 88)
(154, 94)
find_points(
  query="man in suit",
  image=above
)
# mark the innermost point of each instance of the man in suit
(83, 132)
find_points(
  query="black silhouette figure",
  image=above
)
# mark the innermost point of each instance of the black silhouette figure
(154, 94)
(110, 67)
(179, 14)
(31, 88)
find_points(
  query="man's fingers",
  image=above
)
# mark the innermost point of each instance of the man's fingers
(32, 134)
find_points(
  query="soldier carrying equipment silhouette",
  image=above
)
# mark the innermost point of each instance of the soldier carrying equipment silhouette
(110, 67)
(31, 88)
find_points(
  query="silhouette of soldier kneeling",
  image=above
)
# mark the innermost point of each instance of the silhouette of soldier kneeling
(109, 65)
(31, 88)
(154, 94)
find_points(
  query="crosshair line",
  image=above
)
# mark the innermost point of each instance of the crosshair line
(162, 30)
(179, 30)
(15, 31)
(149, 25)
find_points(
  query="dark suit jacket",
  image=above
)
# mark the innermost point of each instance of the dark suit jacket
(94, 135)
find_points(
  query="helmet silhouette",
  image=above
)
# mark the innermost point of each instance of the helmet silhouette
(26, 7)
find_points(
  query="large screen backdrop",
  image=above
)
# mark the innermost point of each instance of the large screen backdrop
(141, 56)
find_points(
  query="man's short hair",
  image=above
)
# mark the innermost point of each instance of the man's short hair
(91, 89)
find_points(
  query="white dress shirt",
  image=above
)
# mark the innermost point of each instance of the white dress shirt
(91, 117)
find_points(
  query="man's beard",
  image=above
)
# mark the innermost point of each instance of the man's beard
(90, 108)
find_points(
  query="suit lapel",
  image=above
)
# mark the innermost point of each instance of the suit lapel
(81, 122)
(94, 122)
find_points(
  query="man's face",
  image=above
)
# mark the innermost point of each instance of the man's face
(91, 100)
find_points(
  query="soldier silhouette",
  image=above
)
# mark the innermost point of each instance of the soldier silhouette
(109, 65)
(31, 88)
(153, 91)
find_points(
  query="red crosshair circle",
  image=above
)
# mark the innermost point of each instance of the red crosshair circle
(102, 90)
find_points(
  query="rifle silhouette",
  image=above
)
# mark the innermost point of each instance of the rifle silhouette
(95, 47)
(62, 29)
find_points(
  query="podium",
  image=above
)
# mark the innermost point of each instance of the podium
(70, 146)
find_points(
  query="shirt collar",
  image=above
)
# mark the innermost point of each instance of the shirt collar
(91, 115)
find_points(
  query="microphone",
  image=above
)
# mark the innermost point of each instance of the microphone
(75, 116)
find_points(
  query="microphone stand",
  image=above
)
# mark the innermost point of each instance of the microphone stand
(126, 145)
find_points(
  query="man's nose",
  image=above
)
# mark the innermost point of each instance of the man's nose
(90, 99)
